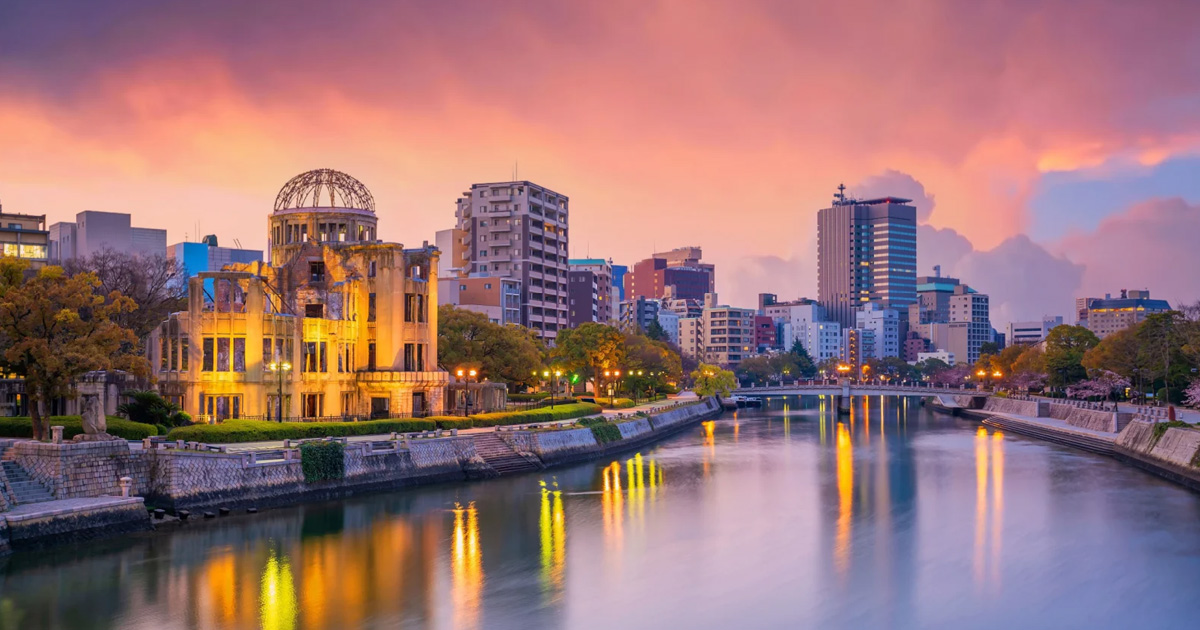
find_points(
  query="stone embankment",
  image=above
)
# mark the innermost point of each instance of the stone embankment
(1170, 452)
(87, 480)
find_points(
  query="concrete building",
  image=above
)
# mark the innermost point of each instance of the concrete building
(670, 324)
(858, 346)
(866, 252)
(728, 333)
(914, 345)
(95, 231)
(793, 319)
(605, 308)
(933, 299)
(1107, 315)
(25, 236)
(638, 312)
(1029, 333)
(679, 268)
(822, 340)
(517, 230)
(618, 281)
(583, 298)
(940, 355)
(884, 324)
(691, 336)
(497, 298)
(207, 255)
(336, 324)
(766, 335)
(969, 308)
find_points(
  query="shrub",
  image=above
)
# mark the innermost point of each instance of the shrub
(22, 427)
(149, 407)
(181, 419)
(528, 397)
(544, 414)
(451, 422)
(1160, 428)
(618, 403)
(606, 432)
(322, 461)
(232, 431)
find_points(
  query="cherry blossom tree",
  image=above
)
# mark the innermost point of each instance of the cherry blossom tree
(1104, 385)
(1192, 394)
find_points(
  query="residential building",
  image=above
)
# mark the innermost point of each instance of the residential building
(335, 324)
(583, 297)
(207, 255)
(618, 282)
(914, 345)
(638, 312)
(1107, 315)
(793, 319)
(858, 346)
(728, 333)
(25, 236)
(866, 252)
(497, 298)
(765, 334)
(822, 340)
(691, 336)
(933, 299)
(1029, 333)
(679, 268)
(670, 324)
(604, 307)
(95, 231)
(970, 308)
(884, 324)
(518, 230)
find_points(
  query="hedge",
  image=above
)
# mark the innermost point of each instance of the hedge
(322, 461)
(545, 414)
(22, 427)
(528, 397)
(452, 422)
(232, 431)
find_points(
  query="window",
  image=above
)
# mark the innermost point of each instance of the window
(222, 354)
(487, 285)
(310, 356)
(371, 356)
(420, 308)
(324, 361)
(316, 271)
(410, 306)
(315, 311)
(239, 354)
(371, 269)
(370, 307)
(410, 357)
(183, 353)
(164, 351)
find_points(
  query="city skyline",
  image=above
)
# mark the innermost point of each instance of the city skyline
(1025, 192)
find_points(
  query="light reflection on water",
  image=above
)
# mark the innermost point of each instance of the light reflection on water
(789, 516)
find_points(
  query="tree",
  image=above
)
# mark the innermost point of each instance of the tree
(590, 349)
(952, 376)
(148, 407)
(156, 284)
(55, 328)
(805, 366)
(1031, 360)
(989, 347)
(1192, 394)
(1160, 343)
(649, 364)
(505, 353)
(931, 367)
(1065, 347)
(894, 368)
(1104, 384)
(656, 332)
(710, 380)
(1117, 352)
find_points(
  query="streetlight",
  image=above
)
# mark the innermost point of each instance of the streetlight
(466, 375)
(279, 367)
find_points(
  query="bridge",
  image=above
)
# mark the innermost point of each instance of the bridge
(844, 389)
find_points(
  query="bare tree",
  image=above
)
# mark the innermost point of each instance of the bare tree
(157, 284)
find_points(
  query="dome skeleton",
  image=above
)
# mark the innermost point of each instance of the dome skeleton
(310, 189)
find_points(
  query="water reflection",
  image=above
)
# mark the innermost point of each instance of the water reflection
(894, 532)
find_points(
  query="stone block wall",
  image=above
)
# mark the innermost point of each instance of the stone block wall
(1027, 408)
(1137, 436)
(184, 477)
(82, 469)
(520, 441)
(683, 414)
(553, 446)
(1178, 446)
(634, 428)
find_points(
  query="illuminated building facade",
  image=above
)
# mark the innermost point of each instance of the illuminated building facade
(336, 324)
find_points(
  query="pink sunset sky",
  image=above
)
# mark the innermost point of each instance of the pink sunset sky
(1051, 146)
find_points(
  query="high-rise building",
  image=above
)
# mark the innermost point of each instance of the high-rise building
(1028, 333)
(679, 271)
(1107, 315)
(970, 310)
(866, 252)
(638, 313)
(25, 236)
(518, 230)
(600, 271)
(583, 297)
(933, 299)
(207, 255)
(95, 231)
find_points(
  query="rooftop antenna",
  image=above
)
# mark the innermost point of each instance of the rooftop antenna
(840, 197)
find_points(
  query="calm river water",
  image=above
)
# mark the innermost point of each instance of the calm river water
(777, 518)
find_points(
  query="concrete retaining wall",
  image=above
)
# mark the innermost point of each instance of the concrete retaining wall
(1178, 446)
(1138, 437)
(1007, 405)
(40, 530)
(683, 414)
(81, 469)
(634, 428)
(553, 447)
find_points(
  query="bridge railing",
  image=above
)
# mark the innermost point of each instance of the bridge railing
(801, 384)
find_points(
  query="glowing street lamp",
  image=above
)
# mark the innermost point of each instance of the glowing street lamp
(467, 375)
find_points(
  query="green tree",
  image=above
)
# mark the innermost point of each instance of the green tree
(989, 347)
(649, 364)
(656, 332)
(55, 328)
(1118, 353)
(589, 350)
(931, 367)
(148, 407)
(504, 353)
(806, 367)
(1160, 343)
(710, 380)
(1065, 347)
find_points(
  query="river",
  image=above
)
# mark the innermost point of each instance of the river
(784, 517)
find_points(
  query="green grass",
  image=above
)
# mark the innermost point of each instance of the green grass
(232, 431)
(1160, 428)
(546, 414)
(20, 427)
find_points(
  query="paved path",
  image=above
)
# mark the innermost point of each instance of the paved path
(608, 413)
(64, 506)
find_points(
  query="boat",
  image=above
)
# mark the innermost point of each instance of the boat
(745, 401)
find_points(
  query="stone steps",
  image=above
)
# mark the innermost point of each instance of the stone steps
(24, 488)
(500, 456)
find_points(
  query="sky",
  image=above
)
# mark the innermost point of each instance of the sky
(1052, 151)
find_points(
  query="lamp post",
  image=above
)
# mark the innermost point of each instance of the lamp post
(466, 375)
(279, 367)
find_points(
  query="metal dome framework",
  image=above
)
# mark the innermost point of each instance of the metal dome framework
(324, 188)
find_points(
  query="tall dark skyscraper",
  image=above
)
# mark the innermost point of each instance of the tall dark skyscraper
(866, 252)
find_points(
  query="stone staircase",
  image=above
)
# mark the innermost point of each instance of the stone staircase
(19, 485)
(500, 456)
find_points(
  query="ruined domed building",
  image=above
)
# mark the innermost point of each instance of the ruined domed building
(336, 324)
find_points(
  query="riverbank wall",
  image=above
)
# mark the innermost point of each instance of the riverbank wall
(86, 478)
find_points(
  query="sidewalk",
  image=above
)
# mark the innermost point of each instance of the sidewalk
(379, 437)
